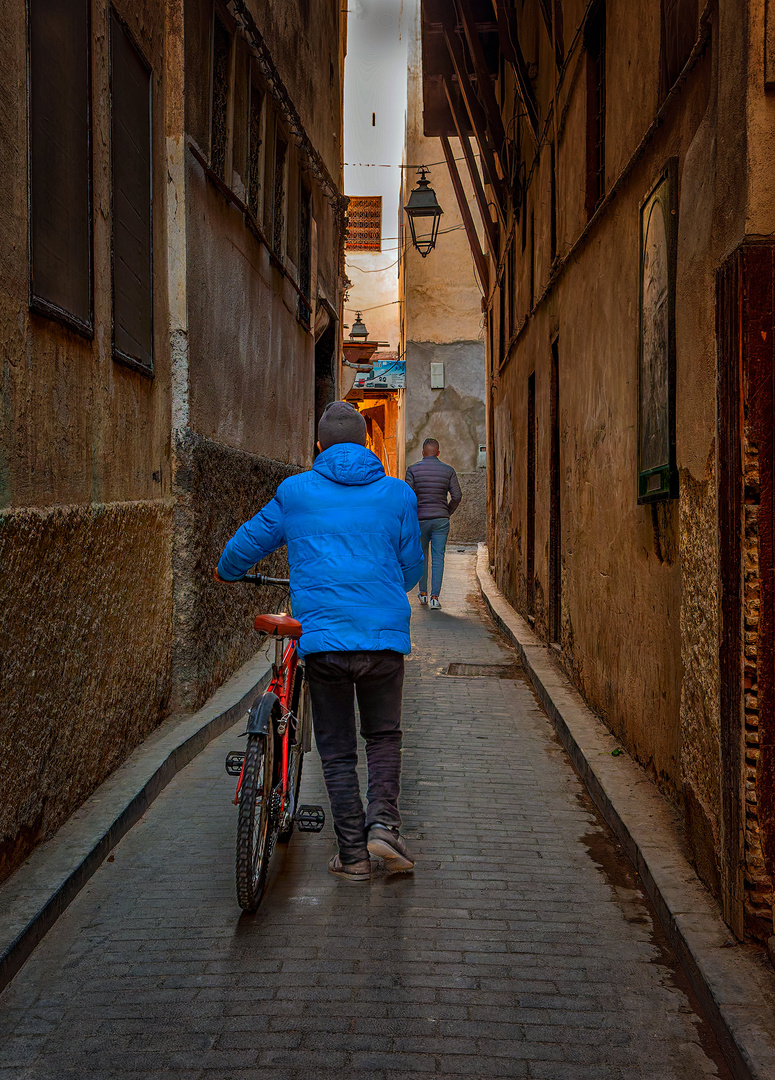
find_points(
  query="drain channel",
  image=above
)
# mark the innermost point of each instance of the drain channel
(490, 671)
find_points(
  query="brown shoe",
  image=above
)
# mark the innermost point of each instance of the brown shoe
(385, 843)
(357, 871)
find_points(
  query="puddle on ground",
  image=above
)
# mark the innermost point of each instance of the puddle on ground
(631, 899)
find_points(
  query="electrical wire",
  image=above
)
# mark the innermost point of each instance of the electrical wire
(390, 303)
(396, 165)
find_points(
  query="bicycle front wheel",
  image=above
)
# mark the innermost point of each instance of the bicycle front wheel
(254, 821)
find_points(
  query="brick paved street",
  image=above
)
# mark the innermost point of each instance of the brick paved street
(522, 946)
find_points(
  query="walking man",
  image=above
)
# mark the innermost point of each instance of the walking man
(432, 480)
(354, 553)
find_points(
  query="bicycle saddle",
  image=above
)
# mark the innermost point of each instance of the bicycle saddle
(278, 626)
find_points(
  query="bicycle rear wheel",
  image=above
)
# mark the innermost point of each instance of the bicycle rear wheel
(255, 838)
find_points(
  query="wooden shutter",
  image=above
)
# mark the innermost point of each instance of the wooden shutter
(60, 211)
(131, 163)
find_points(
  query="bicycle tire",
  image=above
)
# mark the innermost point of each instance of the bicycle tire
(294, 779)
(254, 821)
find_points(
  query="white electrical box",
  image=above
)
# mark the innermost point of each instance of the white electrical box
(437, 376)
(481, 459)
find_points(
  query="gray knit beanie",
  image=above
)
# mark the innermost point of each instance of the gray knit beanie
(341, 422)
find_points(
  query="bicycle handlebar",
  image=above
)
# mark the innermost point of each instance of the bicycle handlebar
(262, 579)
(255, 579)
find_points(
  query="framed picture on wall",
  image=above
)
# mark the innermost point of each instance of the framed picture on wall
(657, 475)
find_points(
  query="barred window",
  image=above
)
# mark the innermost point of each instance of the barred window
(305, 255)
(278, 201)
(254, 149)
(219, 124)
(60, 162)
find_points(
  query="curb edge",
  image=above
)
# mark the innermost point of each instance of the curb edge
(173, 760)
(743, 1059)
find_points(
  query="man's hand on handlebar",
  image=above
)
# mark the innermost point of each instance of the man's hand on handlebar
(252, 579)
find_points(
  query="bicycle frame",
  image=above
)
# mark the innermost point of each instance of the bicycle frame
(284, 668)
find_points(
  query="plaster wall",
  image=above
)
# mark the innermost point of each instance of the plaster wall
(85, 641)
(639, 631)
(85, 486)
(219, 488)
(441, 322)
(251, 363)
(77, 426)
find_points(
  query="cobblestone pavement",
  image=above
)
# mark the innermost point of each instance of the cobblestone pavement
(521, 947)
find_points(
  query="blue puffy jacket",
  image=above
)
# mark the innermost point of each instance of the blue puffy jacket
(353, 547)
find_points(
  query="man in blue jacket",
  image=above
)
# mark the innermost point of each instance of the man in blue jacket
(354, 552)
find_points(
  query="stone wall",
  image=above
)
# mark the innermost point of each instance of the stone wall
(85, 655)
(469, 522)
(220, 488)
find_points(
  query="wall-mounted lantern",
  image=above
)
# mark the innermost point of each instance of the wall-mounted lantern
(359, 332)
(424, 215)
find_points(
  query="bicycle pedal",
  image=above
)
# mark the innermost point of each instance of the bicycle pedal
(234, 761)
(310, 818)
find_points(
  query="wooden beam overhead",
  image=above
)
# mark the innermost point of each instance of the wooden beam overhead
(509, 39)
(478, 123)
(483, 77)
(490, 228)
(480, 259)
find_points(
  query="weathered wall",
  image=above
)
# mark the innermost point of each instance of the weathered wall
(639, 619)
(219, 489)
(107, 595)
(251, 378)
(77, 427)
(85, 644)
(441, 322)
(85, 510)
(251, 363)
(455, 414)
(468, 524)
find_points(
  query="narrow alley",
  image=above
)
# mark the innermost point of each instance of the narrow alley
(521, 947)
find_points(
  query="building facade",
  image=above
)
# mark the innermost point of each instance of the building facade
(441, 321)
(171, 283)
(624, 182)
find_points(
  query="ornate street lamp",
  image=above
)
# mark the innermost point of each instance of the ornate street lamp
(359, 332)
(424, 214)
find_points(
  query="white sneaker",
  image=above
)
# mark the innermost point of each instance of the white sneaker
(435, 602)
(423, 597)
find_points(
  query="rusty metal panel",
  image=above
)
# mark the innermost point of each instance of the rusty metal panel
(364, 223)
(757, 350)
(131, 201)
(60, 204)
(555, 502)
(730, 508)
(769, 45)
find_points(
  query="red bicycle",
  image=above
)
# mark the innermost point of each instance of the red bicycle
(279, 733)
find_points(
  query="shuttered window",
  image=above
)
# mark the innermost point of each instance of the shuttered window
(679, 32)
(60, 223)
(131, 168)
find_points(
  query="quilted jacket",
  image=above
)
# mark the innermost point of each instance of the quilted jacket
(431, 480)
(353, 548)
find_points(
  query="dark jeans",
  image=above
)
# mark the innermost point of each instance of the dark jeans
(378, 679)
